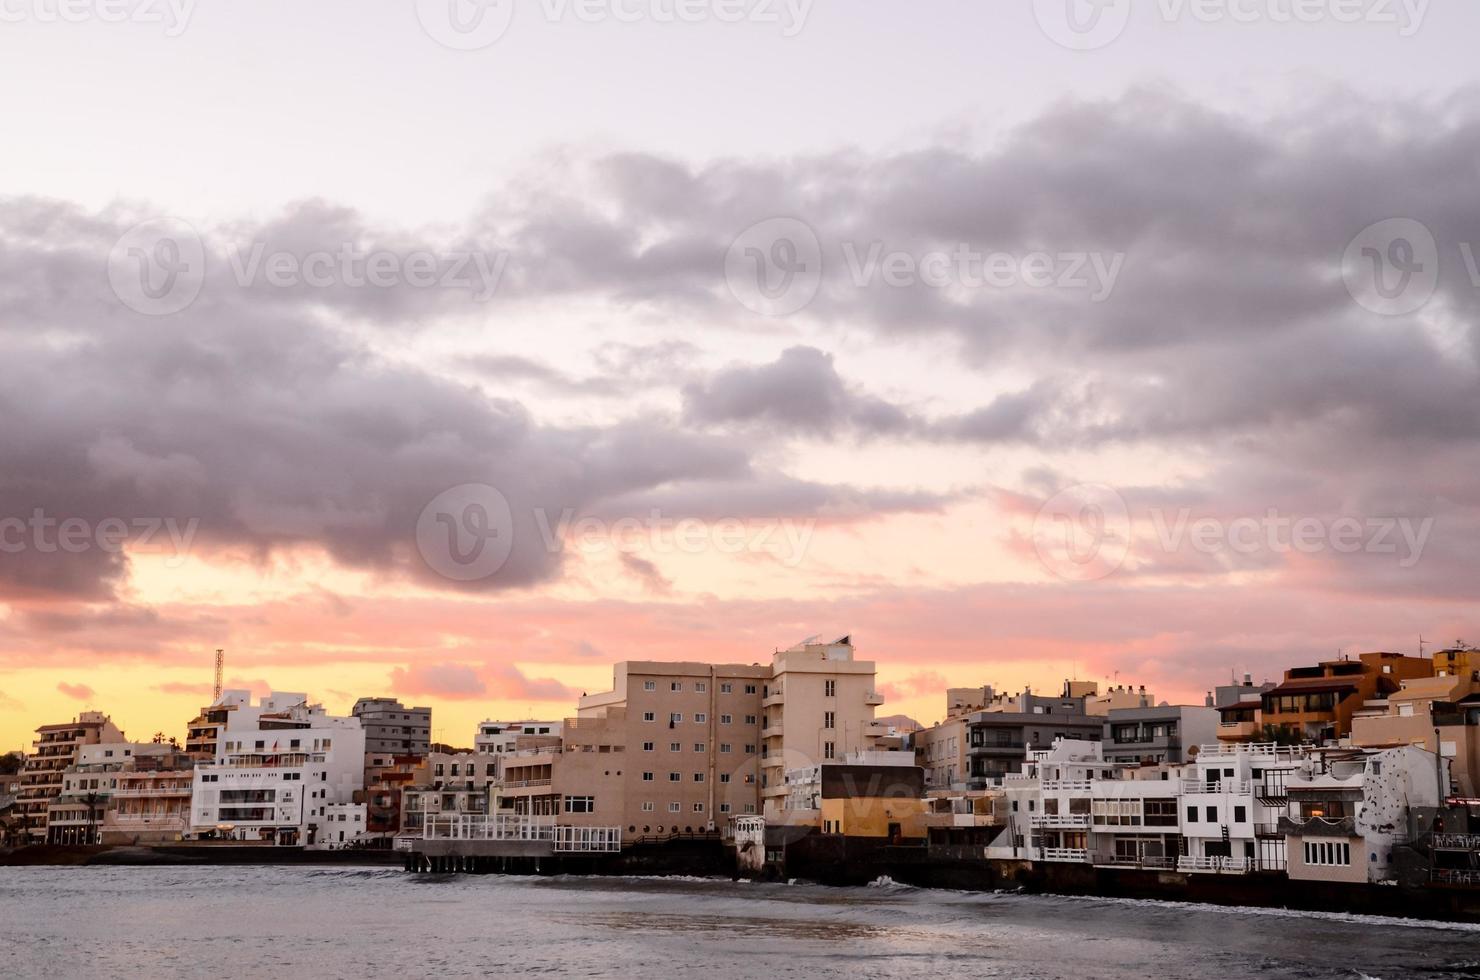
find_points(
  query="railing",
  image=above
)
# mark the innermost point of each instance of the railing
(526, 783)
(1067, 785)
(1014, 777)
(586, 840)
(1318, 825)
(1259, 750)
(1452, 876)
(1457, 842)
(1229, 865)
(1066, 854)
(1136, 862)
(1061, 821)
(1238, 787)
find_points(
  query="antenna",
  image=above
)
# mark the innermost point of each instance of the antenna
(220, 669)
(1420, 644)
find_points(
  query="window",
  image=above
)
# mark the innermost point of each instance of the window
(698, 807)
(1192, 814)
(698, 746)
(724, 777)
(750, 719)
(1328, 853)
(829, 689)
(726, 719)
(727, 688)
(648, 716)
(675, 807)
(1239, 814)
(698, 777)
(647, 777)
(749, 749)
(749, 688)
(724, 808)
(1212, 814)
(701, 718)
(676, 686)
(827, 750)
(675, 746)
(701, 687)
(649, 685)
(580, 804)
(675, 777)
(675, 718)
(829, 719)
(647, 746)
(647, 806)
(724, 746)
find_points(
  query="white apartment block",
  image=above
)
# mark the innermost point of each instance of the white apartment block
(1324, 814)
(502, 737)
(281, 768)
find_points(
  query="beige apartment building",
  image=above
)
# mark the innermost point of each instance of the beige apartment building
(52, 753)
(818, 706)
(678, 748)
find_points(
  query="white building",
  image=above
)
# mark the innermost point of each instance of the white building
(502, 737)
(279, 767)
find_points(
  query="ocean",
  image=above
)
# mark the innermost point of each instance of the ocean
(308, 923)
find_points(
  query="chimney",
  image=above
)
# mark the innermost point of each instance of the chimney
(1208, 701)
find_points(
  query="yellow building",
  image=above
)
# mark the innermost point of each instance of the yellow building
(880, 802)
(1457, 662)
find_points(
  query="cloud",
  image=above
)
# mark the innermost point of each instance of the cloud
(646, 572)
(78, 692)
(464, 682)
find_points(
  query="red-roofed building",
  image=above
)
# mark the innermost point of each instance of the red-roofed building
(1317, 703)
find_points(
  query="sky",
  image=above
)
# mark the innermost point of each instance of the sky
(456, 353)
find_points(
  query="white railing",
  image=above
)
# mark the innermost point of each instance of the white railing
(1238, 787)
(1019, 777)
(525, 783)
(1061, 821)
(1066, 854)
(1220, 864)
(517, 827)
(586, 840)
(1462, 842)
(1066, 785)
(1258, 750)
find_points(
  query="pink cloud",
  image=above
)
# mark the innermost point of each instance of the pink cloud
(80, 692)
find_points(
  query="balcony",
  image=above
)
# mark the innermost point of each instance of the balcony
(1061, 821)
(1071, 855)
(526, 783)
(773, 730)
(1237, 787)
(1457, 842)
(1318, 826)
(772, 699)
(873, 697)
(1215, 865)
(1066, 785)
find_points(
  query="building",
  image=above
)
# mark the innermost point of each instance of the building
(997, 740)
(54, 751)
(817, 704)
(873, 799)
(122, 793)
(1155, 735)
(940, 751)
(672, 748)
(450, 785)
(1461, 660)
(279, 767)
(1349, 809)
(387, 776)
(392, 728)
(1317, 703)
(502, 737)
